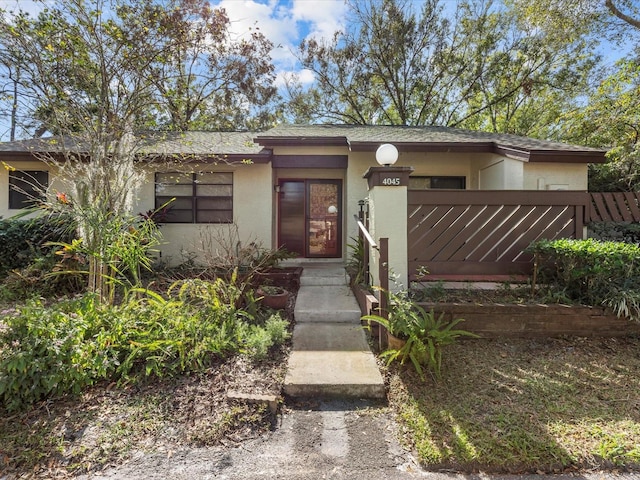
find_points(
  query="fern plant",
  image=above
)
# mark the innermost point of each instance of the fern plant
(424, 334)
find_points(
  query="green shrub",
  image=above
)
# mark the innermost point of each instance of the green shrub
(49, 351)
(592, 272)
(628, 232)
(423, 335)
(52, 350)
(36, 280)
(259, 340)
(24, 240)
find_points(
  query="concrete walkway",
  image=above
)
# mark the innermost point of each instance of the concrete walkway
(330, 357)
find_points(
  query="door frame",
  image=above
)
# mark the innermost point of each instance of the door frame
(339, 230)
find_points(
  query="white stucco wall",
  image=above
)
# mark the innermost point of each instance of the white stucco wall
(252, 212)
(554, 176)
(437, 164)
(495, 172)
(388, 219)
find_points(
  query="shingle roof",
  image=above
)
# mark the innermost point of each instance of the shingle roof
(356, 137)
(365, 134)
(153, 143)
(202, 143)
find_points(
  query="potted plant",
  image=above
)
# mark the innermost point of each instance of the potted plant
(273, 296)
(416, 334)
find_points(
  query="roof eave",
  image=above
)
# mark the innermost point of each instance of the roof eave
(567, 156)
(266, 141)
(453, 147)
(263, 156)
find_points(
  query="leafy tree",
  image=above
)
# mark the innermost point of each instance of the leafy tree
(535, 70)
(206, 79)
(91, 73)
(611, 120)
(392, 66)
(486, 67)
(83, 73)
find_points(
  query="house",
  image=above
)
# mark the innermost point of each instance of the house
(300, 185)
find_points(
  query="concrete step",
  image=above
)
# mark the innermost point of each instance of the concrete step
(332, 360)
(315, 274)
(335, 304)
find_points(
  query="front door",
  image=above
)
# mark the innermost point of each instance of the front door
(310, 217)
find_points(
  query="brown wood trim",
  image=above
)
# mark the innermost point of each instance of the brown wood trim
(474, 268)
(376, 175)
(301, 141)
(213, 159)
(310, 161)
(566, 156)
(460, 147)
(497, 197)
(528, 321)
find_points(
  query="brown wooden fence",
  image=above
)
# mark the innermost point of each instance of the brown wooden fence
(614, 207)
(484, 233)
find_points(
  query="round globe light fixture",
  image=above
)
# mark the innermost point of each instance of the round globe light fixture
(387, 154)
(332, 210)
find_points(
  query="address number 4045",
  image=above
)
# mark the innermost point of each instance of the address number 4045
(391, 181)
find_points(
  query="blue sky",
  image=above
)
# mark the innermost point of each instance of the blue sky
(285, 22)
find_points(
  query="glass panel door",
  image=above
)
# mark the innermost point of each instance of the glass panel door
(291, 216)
(310, 217)
(324, 232)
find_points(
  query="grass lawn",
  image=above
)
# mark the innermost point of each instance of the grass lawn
(525, 406)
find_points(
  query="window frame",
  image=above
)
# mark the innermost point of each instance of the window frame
(195, 199)
(25, 195)
(461, 178)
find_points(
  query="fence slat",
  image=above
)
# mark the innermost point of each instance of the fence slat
(632, 199)
(612, 209)
(486, 232)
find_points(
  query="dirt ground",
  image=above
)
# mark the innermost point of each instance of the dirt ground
(313, 440)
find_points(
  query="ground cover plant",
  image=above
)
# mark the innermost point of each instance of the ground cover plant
(50, 350)
(514, 405)
(150, 373)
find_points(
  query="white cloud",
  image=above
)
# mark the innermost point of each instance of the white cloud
(276, 24)
(304, 77)
(324, 17)
(286, 23)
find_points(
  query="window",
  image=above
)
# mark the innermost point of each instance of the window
(27, 187)
(425, 183)
(199, 197)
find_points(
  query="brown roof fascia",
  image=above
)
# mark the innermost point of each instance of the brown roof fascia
(301, 141)
(454, 147)
(567, 156)
(31, 156)
(235, 158)
(310, 161)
